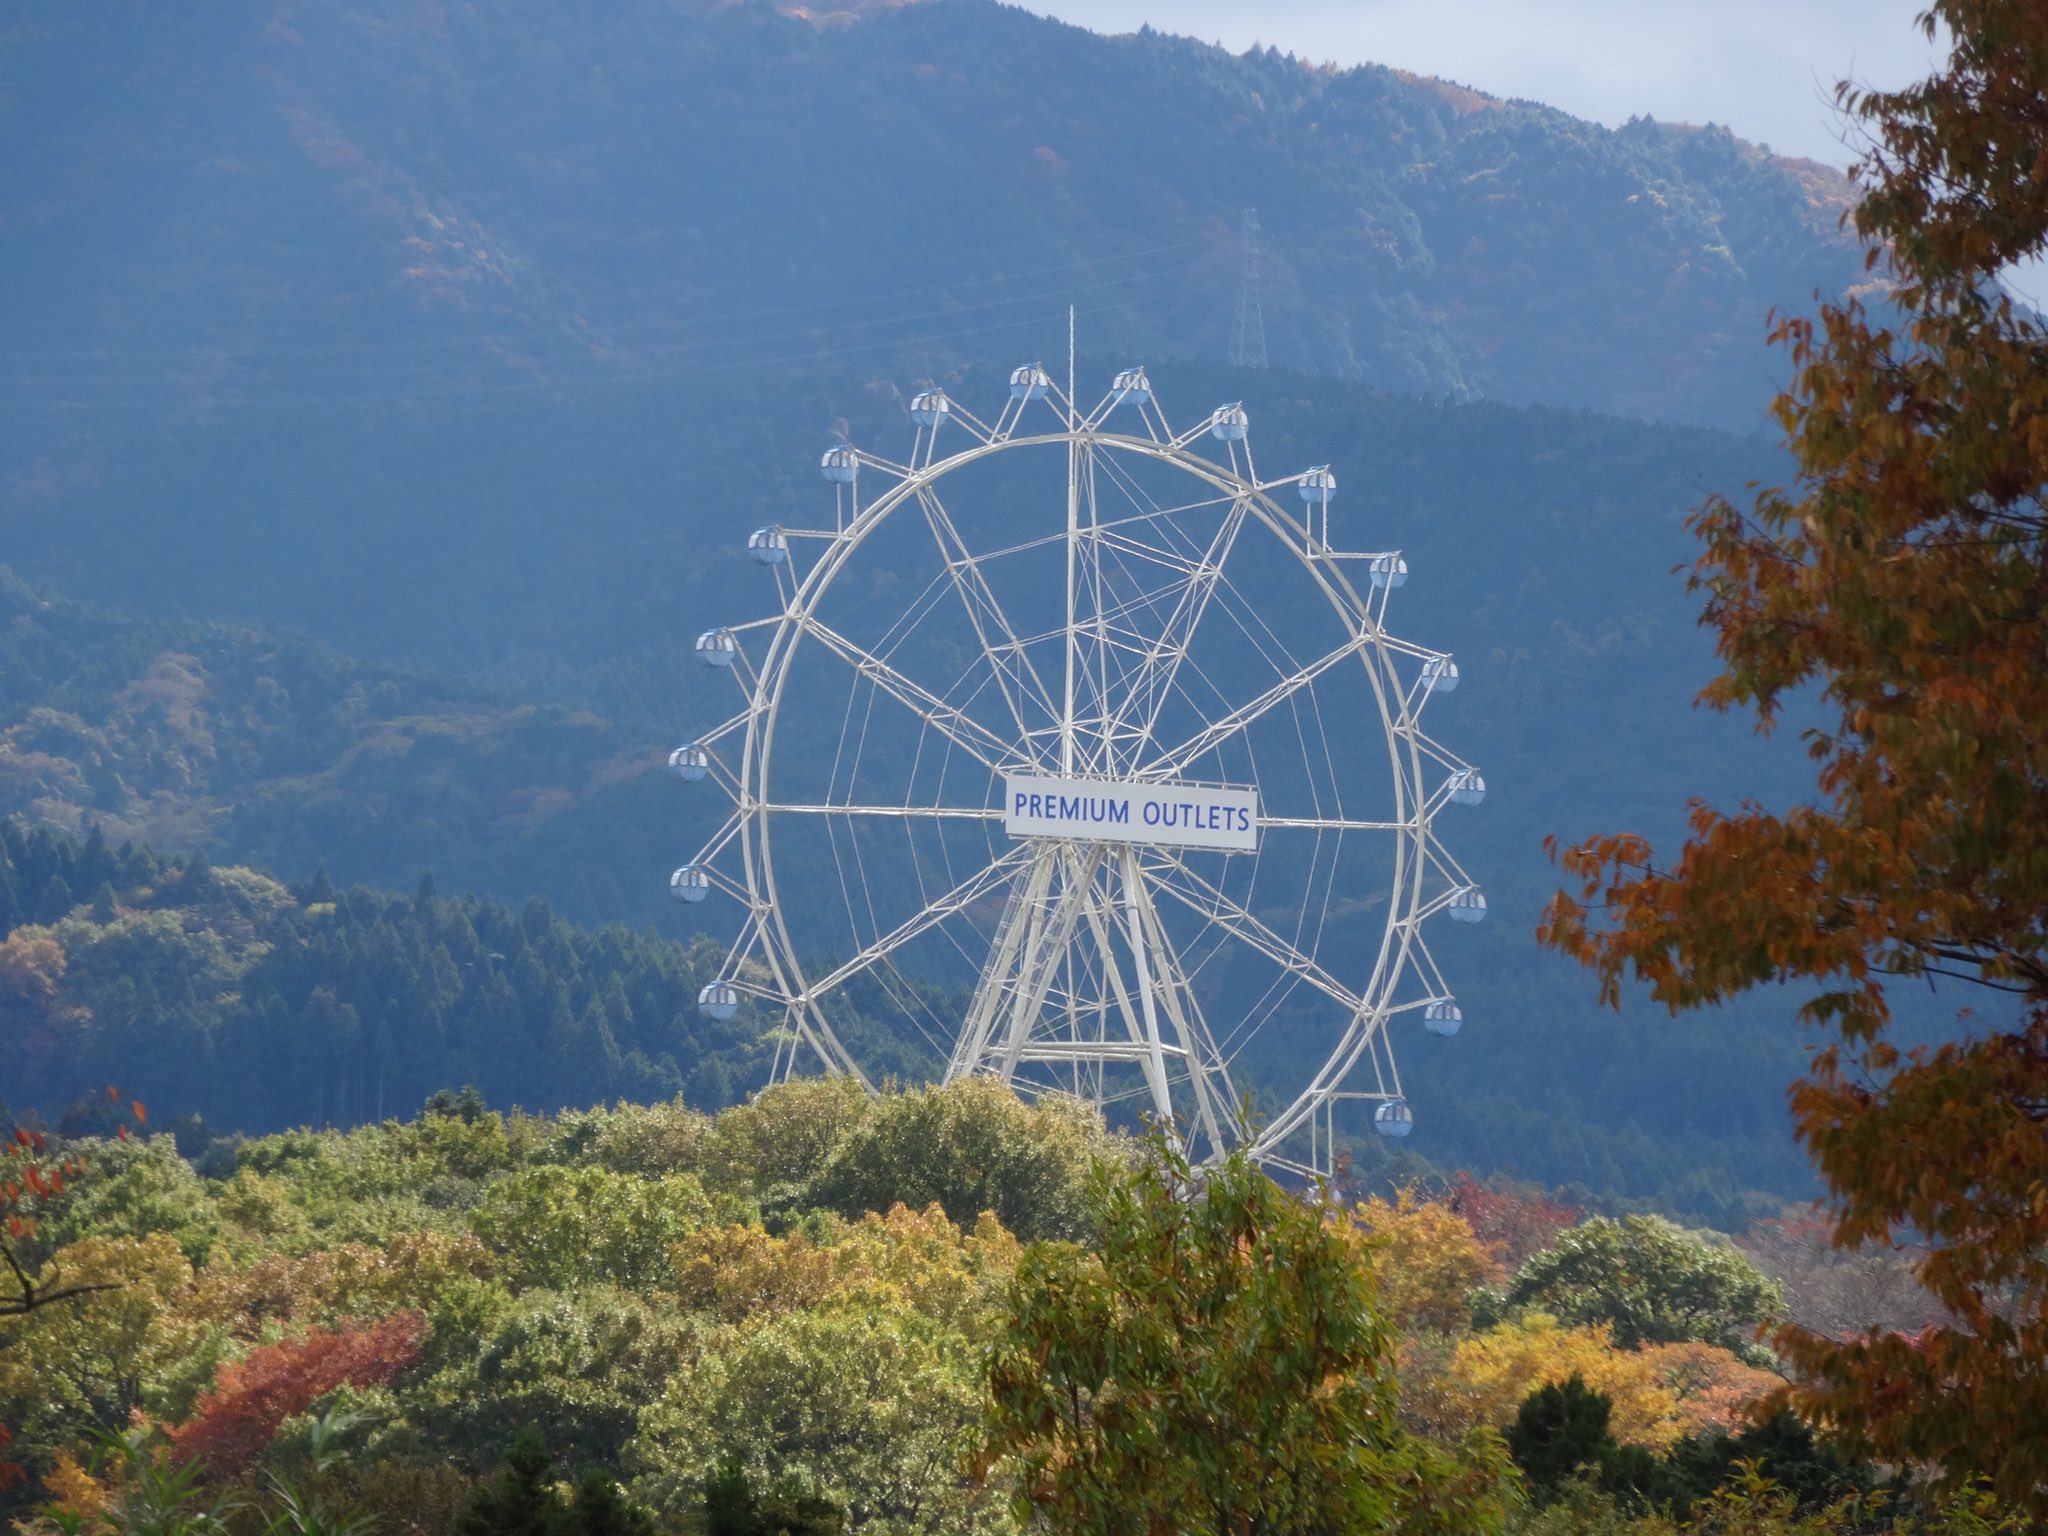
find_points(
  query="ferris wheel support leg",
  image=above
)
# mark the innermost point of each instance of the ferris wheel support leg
(1202, 1056)
(1155, 1057)
(1048, 949)
(1027, 896)
(1101, 923)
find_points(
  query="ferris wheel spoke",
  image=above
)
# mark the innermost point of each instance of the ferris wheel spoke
(954, 901)
(959, 727)
(1150, 683)
(889, 812)
(1329, 824)
(1242, 718)
(1159, 671)
(1006, 653)
(1210, 903)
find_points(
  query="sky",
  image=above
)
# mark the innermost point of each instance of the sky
(1764, 68)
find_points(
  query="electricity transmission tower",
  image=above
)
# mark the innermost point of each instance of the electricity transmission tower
(1248, 336)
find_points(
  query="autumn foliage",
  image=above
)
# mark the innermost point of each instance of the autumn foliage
(1511, 1224)
(1905, 578)
(232, 1424)
(31, 1181)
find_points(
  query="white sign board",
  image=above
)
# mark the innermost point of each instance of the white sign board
(1105, 811)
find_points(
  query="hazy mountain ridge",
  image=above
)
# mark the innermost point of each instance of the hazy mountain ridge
(281, 202)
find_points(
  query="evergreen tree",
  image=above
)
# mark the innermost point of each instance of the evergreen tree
(1561, 1429)
(520, 1501)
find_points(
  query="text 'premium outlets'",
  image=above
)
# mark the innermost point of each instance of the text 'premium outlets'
(1102, 810)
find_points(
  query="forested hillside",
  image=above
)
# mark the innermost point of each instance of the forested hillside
(801, 1294)
(287, 206)
(268, 748)
(238, 1004)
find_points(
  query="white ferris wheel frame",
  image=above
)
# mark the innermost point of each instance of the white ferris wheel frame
(1003, 1029)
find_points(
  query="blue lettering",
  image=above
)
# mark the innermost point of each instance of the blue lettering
(1120, 812)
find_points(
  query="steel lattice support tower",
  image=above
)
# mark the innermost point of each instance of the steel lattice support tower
(1248, 335)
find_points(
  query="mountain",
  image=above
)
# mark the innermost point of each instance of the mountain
(392, 389)
(279, 208)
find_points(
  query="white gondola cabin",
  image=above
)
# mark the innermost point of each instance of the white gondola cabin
(1443, 1017)
(1031, 382)
(1394, 1118)
(768, 546)
(718, 647)
(1317, 486)
(929, 407)
(689, 762)
(1468, 786)
(840, 464)
(1388, 571)
(1229, 423)
(718, 1001)
(1133, 387)
(691, 883)
(1468, 906)
(1440, 674)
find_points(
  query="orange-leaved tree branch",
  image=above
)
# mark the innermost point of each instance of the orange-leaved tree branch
(31, 1181)
(1905, 575)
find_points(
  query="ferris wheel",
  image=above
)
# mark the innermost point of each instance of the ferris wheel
(1075, 753)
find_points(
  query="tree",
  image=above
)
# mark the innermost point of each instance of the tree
(1428, 1260)
(565, 1227)
(579, 1366)
(232, 1423)
(970, 1146)
(771, 1147)
(1498, 1369)
(1560, 1429)
(33, 1184)
(122, 1343)
(523, 1500)
(1219, 1363)
(732, 1508)
(1905, 580)
(858, 1405)
(1511, 1222)
(1656, 1283)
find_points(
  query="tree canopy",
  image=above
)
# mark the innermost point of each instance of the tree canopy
(1220, 1362)
(1654, 1282)
(1904, 578)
